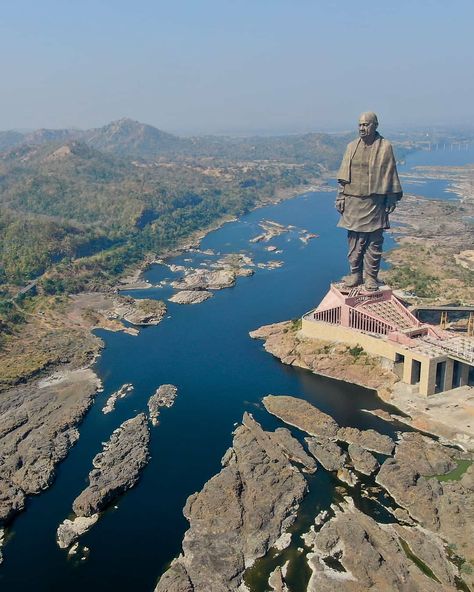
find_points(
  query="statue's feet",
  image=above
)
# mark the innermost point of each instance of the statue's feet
(371, 284)
(353, 280)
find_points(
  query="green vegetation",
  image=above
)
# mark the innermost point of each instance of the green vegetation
(417, 561)
(77, 213)
(9, 313)
(464, 566)
(417, 281)
(296, 324)
(457, 473)
(356, 351)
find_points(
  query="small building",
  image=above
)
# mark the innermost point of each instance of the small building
(421, 354)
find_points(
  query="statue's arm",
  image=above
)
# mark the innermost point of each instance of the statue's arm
(391, 201)
(340, 198)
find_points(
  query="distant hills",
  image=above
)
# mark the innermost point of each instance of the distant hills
(132, 139)
(82, 205)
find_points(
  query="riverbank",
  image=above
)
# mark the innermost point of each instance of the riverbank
(57, 329)
(447, 416)
(38, 427)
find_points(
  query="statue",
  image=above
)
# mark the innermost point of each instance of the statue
(369, 190)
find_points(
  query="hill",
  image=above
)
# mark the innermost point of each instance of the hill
(131, 139)
(126, 137)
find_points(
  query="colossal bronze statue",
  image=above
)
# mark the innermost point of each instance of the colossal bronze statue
(369, 190)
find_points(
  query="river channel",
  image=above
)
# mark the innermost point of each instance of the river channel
(220, 372)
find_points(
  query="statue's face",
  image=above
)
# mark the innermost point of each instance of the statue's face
(367, 127)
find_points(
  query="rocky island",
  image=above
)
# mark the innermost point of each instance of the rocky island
(239, 514)
(116, 469)
(164, 396)
(197, 284)
(123, 391)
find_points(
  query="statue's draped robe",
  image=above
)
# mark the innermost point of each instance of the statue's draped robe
(368, 175)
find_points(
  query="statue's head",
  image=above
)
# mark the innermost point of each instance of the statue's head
(368, 124)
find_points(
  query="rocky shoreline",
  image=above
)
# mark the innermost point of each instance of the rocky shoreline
(445, 416)
(335, 360)
(39, 426)
(427, 544)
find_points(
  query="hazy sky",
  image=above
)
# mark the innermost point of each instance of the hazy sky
(193, 66)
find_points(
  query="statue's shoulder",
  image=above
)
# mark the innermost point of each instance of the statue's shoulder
(383, 141)
(353, 145)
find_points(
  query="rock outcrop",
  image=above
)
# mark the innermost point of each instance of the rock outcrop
(445, 507)
(323, 446)
(70, 530)
(285, 342)
(271, 229)
(327, 452)
(294, 450)
(140, 312)
(190, 296)
(347, 476)
(241, 512)
(238, 263)
(276, 580)
(301, 414)
(204, 279)
(146, 312)
(362, 460)
(2, 536)
(117, 468)
(368, 439)
(37, 428)
(353, 553)
(238, 515)
(163, 397)
(123, 391)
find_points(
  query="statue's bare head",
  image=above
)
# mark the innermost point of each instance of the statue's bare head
(368, 124)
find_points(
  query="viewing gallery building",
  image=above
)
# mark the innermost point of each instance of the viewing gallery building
(424, 355)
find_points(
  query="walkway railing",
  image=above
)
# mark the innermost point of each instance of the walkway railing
(363, 321)
(329, 315)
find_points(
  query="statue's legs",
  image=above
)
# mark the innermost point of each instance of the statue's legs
(355, 256)
(372, 258)
(365, 254)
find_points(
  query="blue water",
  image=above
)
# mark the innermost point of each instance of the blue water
(440, 157)
(434, 188)
(430, 188)
(220, 373)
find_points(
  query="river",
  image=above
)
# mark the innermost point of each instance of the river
(220, 372)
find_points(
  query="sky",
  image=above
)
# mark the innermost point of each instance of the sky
(236, 66)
